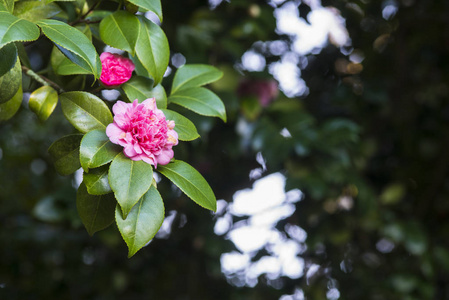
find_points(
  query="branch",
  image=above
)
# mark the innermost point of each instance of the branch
(83, 19)
(42, 79)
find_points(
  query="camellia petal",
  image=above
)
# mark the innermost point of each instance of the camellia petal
(116, 69)
(143, 131)
(114, 133)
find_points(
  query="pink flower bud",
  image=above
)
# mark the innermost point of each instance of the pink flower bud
(116, 69)
(143, 131)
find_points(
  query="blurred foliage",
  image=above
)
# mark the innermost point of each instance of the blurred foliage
(367, 148)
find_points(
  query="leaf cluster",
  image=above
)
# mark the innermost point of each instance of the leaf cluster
(114, 187)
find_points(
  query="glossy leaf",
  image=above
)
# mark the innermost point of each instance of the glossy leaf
(152, 49)
(85, 111)
(189, 76)
(74, 44)
(120, 30)
(43, 101)
(152, 5)
(66, 67)
(98, 15)
(10, 108)
(63, 66)
(13, 29)
(129, 180)
(140, 88)
(7, 5)
(201, 101)
(97, 181)
(65, 153)
(143, 222)
(96, 150)
(35, 10)
(140, 69)
(10, 82)
(184, 127)
(191, 182)
(96, 212)
(9, 58)
(85, 29)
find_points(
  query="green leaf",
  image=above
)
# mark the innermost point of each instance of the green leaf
(184, 127)
(96, 150)
(66, 67)
(43, 101)
(13, 29)
(143, 222)
(23, 56)
(97, 181)
(129, 180)
(35, 10)
(85, 111)
(85, 29)
(152, 49)
(140, 69)
(66, 154)
(190, 182)
(96, 212)
(120, 30)
(201, 101)
(7, 5)
(97, 15)
(9, 58)
(10, 108)
(152, 5)
(74, 44)
(63, 66)
(189, 76)
(140, 88)
(11, 81)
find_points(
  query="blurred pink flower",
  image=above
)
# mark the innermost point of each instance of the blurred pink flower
(265, 90)
(143, 131)
(116, 69)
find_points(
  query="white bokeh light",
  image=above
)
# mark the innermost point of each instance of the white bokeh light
(253, 61)
(324, 25)
(266, 193)
(265, 205)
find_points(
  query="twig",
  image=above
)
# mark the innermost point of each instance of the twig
(83, 19)
(42, 79)
(86, 21)
(96, 90)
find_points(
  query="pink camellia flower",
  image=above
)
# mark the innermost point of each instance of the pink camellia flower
(116, 69)
(143, 131)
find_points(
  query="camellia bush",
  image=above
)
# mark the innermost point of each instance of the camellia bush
(118, 145)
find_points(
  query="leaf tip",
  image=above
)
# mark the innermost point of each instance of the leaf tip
(131, 253)
(224, 117)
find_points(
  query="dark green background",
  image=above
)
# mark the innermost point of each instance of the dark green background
(379, 136)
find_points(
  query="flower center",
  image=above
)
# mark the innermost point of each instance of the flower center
(148, 130)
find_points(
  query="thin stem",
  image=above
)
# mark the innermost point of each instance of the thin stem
(86, 21)
(42, 79)
(82, 18)
(96, 90)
